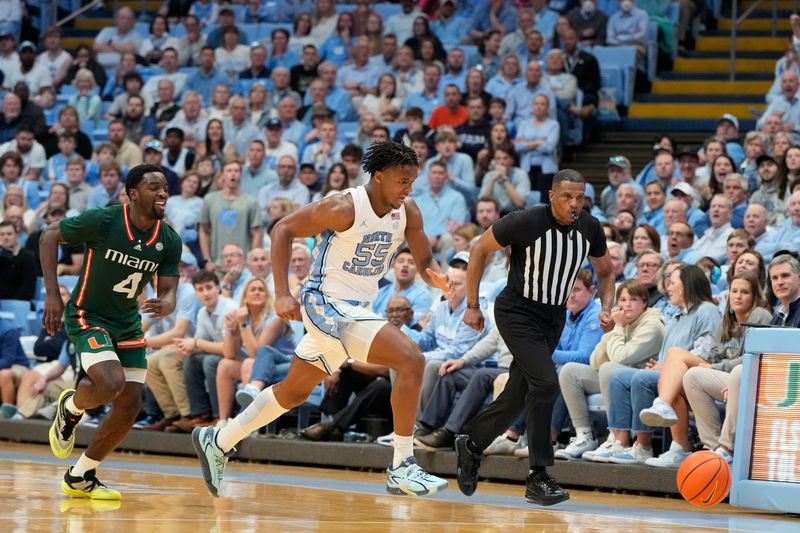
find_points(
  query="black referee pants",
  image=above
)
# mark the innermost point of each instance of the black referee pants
(531, 331)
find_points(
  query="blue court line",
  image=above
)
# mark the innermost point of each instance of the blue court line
(778, 524)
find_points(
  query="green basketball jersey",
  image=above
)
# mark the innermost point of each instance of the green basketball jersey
(120, 260)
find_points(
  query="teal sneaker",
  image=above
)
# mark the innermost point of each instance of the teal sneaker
(410, 479)
(212, 458)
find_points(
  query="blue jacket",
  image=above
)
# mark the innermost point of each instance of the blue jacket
(447, 336)
(11, 352)
(580, 336)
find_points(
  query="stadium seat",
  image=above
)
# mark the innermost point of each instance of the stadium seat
(16, 311)
(265, 29)
(251, 30)
(143, 28)
(652, 50)
(177, 30)
(575, 134)
(611, 77)
(623, 57)
(387, 10)
(344, 8)
(394, 127)
(68, 281)
(346, 131)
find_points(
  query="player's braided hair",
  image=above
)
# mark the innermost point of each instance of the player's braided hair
(388, 154)
(136, 174)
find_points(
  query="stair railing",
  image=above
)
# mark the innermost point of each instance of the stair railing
(736, 20)
(81, 11)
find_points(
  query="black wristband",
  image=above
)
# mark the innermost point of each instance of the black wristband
(473, 306)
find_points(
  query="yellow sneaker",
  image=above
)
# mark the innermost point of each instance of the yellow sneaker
(75, 506)
(87, 486)
(62, 431)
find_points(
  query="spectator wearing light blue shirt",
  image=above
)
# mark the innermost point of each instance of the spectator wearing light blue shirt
(336, 48)
(786, 237)
(506, 183)
(500, 15)
(358, 78)
(280, 54)
(255, 173)
(108, 188)
(546, 18)
(335, 98)
(628, 27)
(537, 142)
(443, 208)
(115, 40)
(207, 76)
(655, 198)
(785, 104)
(505, 80)
(449, 26)
(429, 98)
(456, 73)
(405, 284)
(446, 336)
(460, 168)
(519, 100)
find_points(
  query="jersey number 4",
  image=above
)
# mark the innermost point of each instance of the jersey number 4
(371, 254)
(129, 285)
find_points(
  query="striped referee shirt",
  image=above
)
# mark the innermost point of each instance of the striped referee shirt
(546, 255)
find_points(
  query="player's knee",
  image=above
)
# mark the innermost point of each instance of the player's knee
(6, 376)
(110, 386)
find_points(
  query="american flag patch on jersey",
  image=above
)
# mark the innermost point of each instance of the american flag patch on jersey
(395, 216)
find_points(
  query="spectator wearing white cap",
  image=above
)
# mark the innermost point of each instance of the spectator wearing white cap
(684, 192)
(728, 132)
(35, 76)
(619, 172)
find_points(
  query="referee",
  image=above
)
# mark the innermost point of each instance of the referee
(548, 245)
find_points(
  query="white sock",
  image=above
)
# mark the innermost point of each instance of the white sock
(584, 432)
(70, 405)
(264, 409)
(83, 465)
(403, 449)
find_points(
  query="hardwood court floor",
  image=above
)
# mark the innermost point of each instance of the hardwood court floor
(166, 494)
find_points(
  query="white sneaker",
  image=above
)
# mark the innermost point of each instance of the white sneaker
(660, 414)
(602, 452)
(503, 445)
(633, 455)
(722, 452)
(669, 459)
(410, 479)
(386, 440)
(577, 447)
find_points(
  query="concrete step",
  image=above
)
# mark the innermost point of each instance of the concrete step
(756, 24)
(701, 87)
(708, 110)
(686, 64)
(701, 98)
(720, 43)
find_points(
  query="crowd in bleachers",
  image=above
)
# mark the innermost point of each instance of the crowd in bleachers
(256, 109)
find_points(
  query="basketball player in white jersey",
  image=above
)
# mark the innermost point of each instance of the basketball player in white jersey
(357, 233)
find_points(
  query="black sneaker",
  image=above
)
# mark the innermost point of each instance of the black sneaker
(436, 440)
(467, 467)
(541, 489)
(87, 486)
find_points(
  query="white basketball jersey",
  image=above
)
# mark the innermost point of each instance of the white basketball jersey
(348, 265)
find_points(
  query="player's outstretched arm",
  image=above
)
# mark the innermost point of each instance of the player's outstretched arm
(420, 247)
(487, 244)
(335, 213)
(48, 257)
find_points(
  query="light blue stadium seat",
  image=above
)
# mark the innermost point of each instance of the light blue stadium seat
(344, 8)
(575, 134)
(595, 403)
(242, 87)
(67, 91)
(68, 281)
(611, 77)
(534, 197)
(143, 28)
(251, 30)
(674, 15)
(265, 29)
(189, 71)
(105, 106)
(394, 127)
(346, 131)
(652, 50)
(16, 311)
(387, 10)
(609, 7)
(177, 30)
(623, 57)
(238, 12)
(87, 125)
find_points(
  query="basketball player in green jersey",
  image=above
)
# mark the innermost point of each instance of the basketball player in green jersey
(126, 245)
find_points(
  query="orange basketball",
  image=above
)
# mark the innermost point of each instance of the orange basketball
(704, 479)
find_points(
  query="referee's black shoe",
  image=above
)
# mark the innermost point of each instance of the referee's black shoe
(541, 489)
(467, 463)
